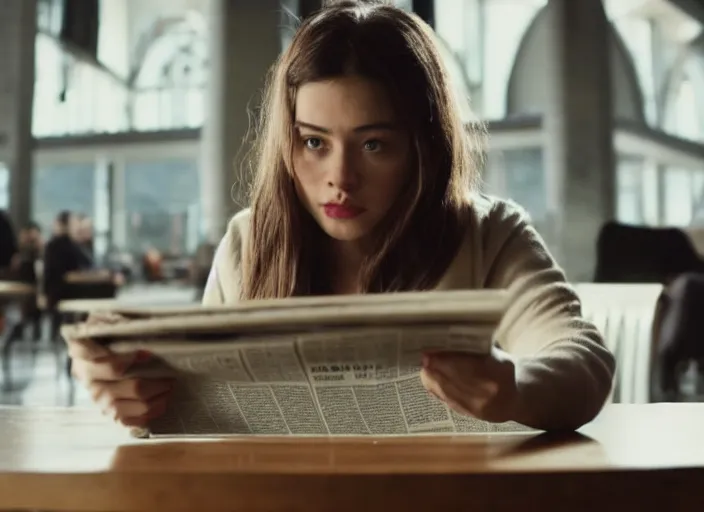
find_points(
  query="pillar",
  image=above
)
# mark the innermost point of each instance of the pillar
(245, 40)
(18, 22)
(580, 161)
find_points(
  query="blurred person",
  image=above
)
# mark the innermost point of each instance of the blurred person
(85, 235)
(26, 265)
(62, 256)
(29, 253)
(8, 242)
(367, 182)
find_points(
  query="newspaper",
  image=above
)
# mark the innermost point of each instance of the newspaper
(334, 379)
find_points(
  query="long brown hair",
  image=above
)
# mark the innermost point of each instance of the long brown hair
(420, 235)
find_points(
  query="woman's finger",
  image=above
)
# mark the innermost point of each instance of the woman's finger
(86, 349)
(136, 413)
(447, 392)
(157, 410)
(108, 368)
(129, 389)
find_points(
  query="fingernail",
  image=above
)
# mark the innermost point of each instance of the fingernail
(426, 361)
(142, 355)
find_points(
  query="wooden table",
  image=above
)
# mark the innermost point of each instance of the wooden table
(14, 289)
(87, 305)
(633, 457)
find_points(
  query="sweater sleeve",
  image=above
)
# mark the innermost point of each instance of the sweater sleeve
(564, 372)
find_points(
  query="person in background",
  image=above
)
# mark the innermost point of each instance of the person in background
(85, 235)
(8, 242)
(30, 251)
(26, 265)
(62, 256)
(367, 182)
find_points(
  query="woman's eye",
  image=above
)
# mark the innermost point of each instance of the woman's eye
(313, 143)
(372, 145)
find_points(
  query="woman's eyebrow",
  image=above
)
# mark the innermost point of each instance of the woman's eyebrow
(384, 125)
(302, 124)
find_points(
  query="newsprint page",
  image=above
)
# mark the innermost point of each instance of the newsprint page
(350, 374)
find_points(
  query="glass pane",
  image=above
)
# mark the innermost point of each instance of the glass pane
(519, 174)
(629, 190)
(698, 197)
(162, 198)
(683, 112)
(62, 187)
(483, 36)
(74, 97)
(4, 186)
(678, 197)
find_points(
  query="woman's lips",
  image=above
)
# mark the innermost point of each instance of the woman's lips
(342, 211)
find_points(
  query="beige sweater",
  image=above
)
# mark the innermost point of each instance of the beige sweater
(564, 371)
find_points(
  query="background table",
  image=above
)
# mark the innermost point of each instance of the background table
(14, 289)
(630, 458)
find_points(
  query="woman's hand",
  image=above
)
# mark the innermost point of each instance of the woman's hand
(131, 401)
(480, 386)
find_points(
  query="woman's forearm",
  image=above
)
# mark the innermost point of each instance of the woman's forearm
(564, 388)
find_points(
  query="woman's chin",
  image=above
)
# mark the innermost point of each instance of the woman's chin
(344, 231)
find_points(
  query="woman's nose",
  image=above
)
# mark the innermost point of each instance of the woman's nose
(343, 172)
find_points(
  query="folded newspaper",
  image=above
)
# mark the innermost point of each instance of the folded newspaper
(343, 365)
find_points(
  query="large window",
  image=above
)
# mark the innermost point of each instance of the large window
(169, 88)
(4, 186)
(62, 187)
(684, 110)
(161, 203)
(519, 174)
(484, 36)
(165, 90)
(629, 190)
(74, 97)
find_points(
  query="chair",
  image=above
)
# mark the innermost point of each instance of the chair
(678, 335)
(640, 254)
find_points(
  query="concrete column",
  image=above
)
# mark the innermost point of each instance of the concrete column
(18, 22)
(579, 131)
(245, 41)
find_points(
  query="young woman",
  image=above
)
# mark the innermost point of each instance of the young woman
(366, 182)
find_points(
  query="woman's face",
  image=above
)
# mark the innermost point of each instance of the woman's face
(351, 158)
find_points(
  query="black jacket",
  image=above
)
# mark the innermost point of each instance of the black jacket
(61, 256)
(8, 241)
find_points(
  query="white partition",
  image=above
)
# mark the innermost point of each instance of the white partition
(624, 315)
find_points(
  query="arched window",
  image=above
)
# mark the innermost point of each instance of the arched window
(485, 36)
(169, 85)
(684, 104)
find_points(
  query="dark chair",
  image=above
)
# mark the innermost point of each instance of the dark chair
(639, 254)
(678, 335)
